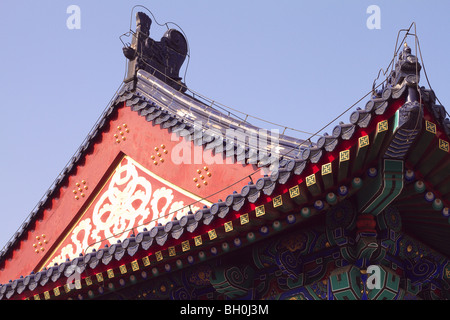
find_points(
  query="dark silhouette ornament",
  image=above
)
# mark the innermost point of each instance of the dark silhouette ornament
(163, 59)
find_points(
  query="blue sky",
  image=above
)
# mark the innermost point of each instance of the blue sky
(296, 63)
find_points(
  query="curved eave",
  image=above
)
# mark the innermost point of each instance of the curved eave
(196, 115)
(160, 104)
(425, 201)
(318, 179)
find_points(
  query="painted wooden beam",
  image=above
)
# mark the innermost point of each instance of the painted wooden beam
(361, 152)
(299, 194)
(327, 172)
(427, 136)
(313, 184)
(385, 189)
(379, 137)
(344, 165)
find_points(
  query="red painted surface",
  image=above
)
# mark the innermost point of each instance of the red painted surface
(365, 223)
(140, 142)
(131, 199)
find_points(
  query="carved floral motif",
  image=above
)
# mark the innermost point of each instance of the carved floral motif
(131, 198)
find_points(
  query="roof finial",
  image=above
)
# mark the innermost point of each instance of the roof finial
(163, 59)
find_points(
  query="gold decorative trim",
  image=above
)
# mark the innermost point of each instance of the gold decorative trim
(212, 234)
(80, 189)
(67, 288)
(95, 196)
(294, 192)
(202, 176)
(41, 242)
(120, 133)
(159, 256)
(56, 291)
(198, 241)
(363, 141)
(344, 155)
(382, 126)
(228, 226)
(244, 218)
(444, 145)
(310, 180)
(146, 261)
(260, 211)
(99, 277)
(135, 265)
(430, 127)
(327, 168)
(277, 201)
(159, 155)
(110, 273)
(185, 246)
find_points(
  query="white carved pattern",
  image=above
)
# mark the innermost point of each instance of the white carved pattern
(121, 204)
(127, 202)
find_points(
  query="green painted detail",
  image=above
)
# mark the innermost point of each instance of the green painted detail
(357, 183)
(389, 285)
(263, 257)
(396, 120)
(417, 151)
(446, 272)
(340, 220)
(437, 204)
(401, 294)
(359, 159)
(345, 283)
(328, 180)
(397, 177)
(347, 253)
(331, 198)
(305, 212)
(371, 188)
(378, 140)
(384, 190)
(439, 174)
(365, 247)
(419, 186)
(390, 219)
(410, 288)
(317, 291)
(343, 168)
(430, 161)
(296, 283)
(234, 282)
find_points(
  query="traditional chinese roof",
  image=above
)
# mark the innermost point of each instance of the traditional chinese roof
(396, 148)
(160, 103)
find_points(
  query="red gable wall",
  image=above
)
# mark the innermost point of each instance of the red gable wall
(131, 135)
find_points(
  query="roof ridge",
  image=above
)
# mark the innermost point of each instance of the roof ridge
(138, 100)
(288, 167)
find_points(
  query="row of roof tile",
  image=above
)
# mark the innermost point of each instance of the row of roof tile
(140, 102)
(189, 223)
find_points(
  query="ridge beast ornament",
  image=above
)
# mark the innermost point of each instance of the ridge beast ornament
(163, 59)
